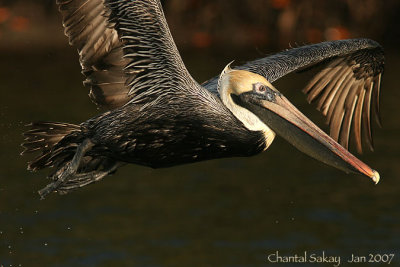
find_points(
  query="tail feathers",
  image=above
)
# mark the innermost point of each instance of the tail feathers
(48, 138)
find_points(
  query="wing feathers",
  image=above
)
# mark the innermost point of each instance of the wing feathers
(366, 120)
(87, 25)
(375, 97)
(338, 80)
(154, 65)
(317, 78)
(335, 96)
(357, 121)
(347, 91)
(345, 132)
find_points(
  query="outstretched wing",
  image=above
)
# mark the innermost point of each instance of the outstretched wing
(346, 89)
(126, 49)
(87, 25)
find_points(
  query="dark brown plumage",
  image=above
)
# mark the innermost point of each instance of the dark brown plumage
(159, 116)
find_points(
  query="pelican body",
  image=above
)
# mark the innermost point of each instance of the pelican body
(159, 116)
(187, 131)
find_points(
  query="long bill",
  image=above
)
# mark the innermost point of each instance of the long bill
(288, 122)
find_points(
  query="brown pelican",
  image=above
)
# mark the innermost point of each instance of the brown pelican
(159, 116)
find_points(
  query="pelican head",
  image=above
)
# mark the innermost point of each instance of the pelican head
(231, 84)
(261, 107)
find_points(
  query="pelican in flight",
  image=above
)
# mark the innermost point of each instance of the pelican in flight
(157, 115)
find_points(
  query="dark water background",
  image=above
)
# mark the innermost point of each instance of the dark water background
(227, 212)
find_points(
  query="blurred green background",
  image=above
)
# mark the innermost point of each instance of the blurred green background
(227, 212)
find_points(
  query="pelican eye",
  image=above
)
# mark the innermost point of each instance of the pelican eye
(265, 91)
